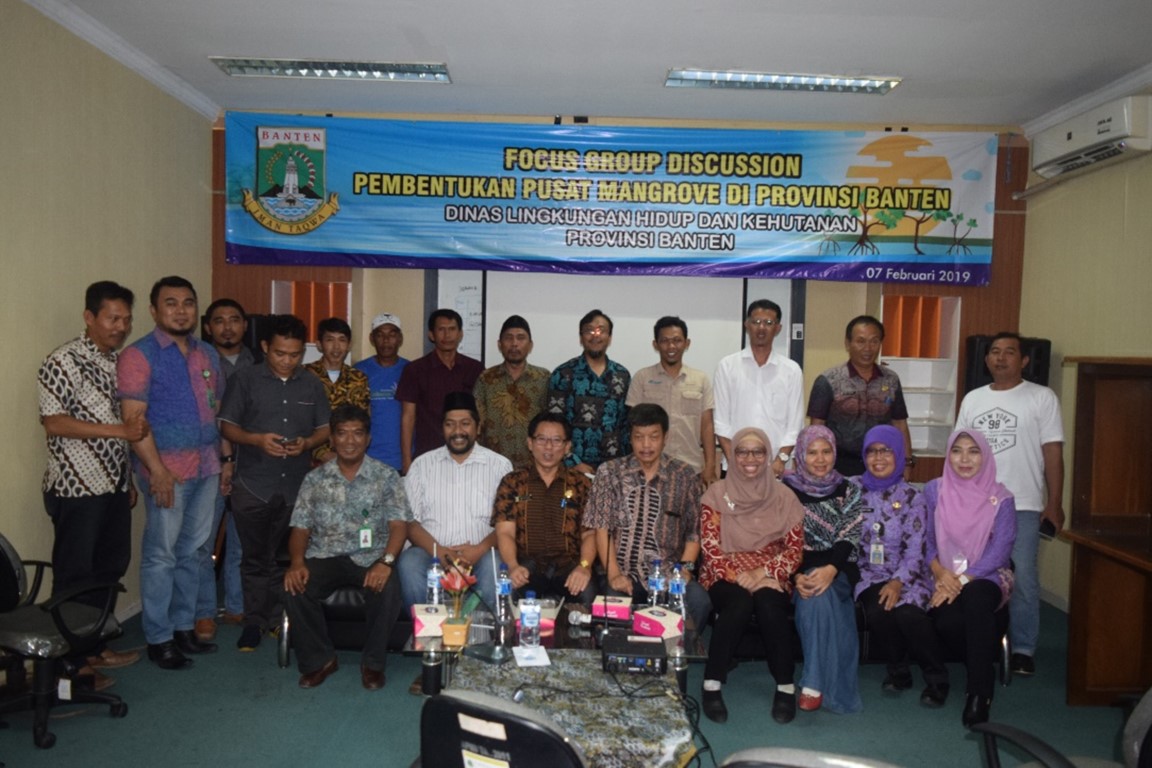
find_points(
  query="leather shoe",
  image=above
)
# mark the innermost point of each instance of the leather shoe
(168, 656)
(188, 643)
(976, 709)
(317, 677)
(232, 618)
(810, 703)
(897, 680)
(205, 630)
(784, 707)
(371, 679)
(110, 659)
(713, 704)
(934, 695)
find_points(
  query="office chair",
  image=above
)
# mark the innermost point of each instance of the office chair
(781, 757)
(70, 625)
(1136, 743)
(456, 725)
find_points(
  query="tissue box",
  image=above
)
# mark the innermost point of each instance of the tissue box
(612, 607)
(657, 622)
(426, 619)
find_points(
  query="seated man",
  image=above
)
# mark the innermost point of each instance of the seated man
(539, 514)
(348, 525)
(451, 489)
(646, 507)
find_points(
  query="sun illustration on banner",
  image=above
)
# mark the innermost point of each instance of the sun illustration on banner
(291, 197)
(900, 161)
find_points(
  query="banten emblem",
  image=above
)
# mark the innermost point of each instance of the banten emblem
(289, 182)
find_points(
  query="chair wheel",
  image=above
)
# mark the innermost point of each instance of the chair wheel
(119, 709)
(42, 738)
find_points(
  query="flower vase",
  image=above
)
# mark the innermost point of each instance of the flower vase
(455, 630)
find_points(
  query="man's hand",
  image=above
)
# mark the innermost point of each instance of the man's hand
(162, 486)
(274, 445)
(377, 577)
(294, 447)
(519, 576)
(577, 580)
(136, 427)
(777, 467)
(586, 469)
(1055, 513)
(621, 583)
(296, 579)
(226, 472)
(890, 594)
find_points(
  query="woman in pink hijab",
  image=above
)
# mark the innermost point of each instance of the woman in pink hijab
(972, 527)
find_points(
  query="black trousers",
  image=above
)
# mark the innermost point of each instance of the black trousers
(93, 539)
(968, 627)
(263, 530)
(903, 632)
(306, 614)
(735, 608)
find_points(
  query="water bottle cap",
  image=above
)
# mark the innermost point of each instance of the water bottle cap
(503, 567)
(530, 595)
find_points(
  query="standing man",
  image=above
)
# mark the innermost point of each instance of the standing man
(348, 526)
(451, 490)
(343, 384)
(275, 414)
(684, 393)
(426, 381)
(757, 388)
(510, 394)
(383, 371)
(87, 486)
(852, 398)
(590, 391)
(539, 514)
(226, 326)
(174, 381)
(1023, 425)
(646, 507)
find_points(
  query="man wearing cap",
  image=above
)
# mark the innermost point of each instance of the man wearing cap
(383, 371)
(510, 394)
(451, 490)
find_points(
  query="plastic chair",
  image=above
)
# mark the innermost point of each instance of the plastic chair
(781, 757)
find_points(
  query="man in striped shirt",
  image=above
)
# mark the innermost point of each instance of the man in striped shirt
(451, 490)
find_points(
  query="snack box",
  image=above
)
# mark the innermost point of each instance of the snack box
(426, 619)
(657, 622)
(612, 607)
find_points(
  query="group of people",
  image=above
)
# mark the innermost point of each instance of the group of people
(576, 480)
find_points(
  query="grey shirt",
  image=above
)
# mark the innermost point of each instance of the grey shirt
(258, 401)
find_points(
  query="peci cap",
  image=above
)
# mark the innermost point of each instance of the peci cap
(386, 318)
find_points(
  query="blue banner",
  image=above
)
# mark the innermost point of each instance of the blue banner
(820, 205)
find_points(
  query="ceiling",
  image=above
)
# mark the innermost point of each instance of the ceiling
(964, 62)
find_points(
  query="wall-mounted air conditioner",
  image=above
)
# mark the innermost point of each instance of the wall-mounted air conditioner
(1115, 131)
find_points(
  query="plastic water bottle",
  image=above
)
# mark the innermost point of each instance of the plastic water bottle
(529, 620)
(676, 587)
(656, 583)
(435, 588)
(505, 619)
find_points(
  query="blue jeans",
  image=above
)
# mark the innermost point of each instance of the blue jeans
(827, 628)
(1024, 605)
(233, 595)
(412, 568)
(170, 558)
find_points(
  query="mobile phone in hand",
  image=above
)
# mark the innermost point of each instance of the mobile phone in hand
(1047, 529)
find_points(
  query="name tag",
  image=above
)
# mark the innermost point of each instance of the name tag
(365, 538)
(876, 554)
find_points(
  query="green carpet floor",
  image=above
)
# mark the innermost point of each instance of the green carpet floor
(240, 709)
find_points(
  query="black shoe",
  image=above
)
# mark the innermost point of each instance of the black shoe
(897, 680)
(189, 644)
(934, 695)
(168, 656)
(976, 709)
(784, 707)
(1023, 665)
(249, 637)
(713, 704)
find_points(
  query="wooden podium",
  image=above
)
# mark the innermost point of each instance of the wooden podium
(1110, 600)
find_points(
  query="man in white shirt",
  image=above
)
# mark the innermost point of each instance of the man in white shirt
(756, 388)
(451, 490)
(1022, 423)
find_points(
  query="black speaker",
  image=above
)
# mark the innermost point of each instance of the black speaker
(1038, 352)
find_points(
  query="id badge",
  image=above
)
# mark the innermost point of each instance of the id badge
(365, 538)
(876, 554)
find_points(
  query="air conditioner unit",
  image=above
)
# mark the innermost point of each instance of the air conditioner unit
(1115, 131)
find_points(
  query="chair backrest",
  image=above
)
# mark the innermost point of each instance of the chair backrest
(781, 757)
(460, 724)
(13, 578)
(1137, 746)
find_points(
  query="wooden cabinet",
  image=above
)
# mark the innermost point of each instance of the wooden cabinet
(1110, 600)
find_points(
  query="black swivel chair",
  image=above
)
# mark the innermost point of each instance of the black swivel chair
(780, 757)
(70, 625)
(456, 722)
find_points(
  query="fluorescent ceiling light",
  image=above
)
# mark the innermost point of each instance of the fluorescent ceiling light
(718, 78)
(367, 71)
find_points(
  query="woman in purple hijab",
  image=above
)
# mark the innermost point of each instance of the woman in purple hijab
(972, 527)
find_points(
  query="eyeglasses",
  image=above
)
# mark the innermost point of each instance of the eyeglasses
(878, 451)
(751, 453)
(552, 442)
(761, 322)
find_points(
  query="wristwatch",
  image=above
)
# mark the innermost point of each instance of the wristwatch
(688, 565)
(585, 564)
(784, 457)
(964, 580)
(387, 559)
